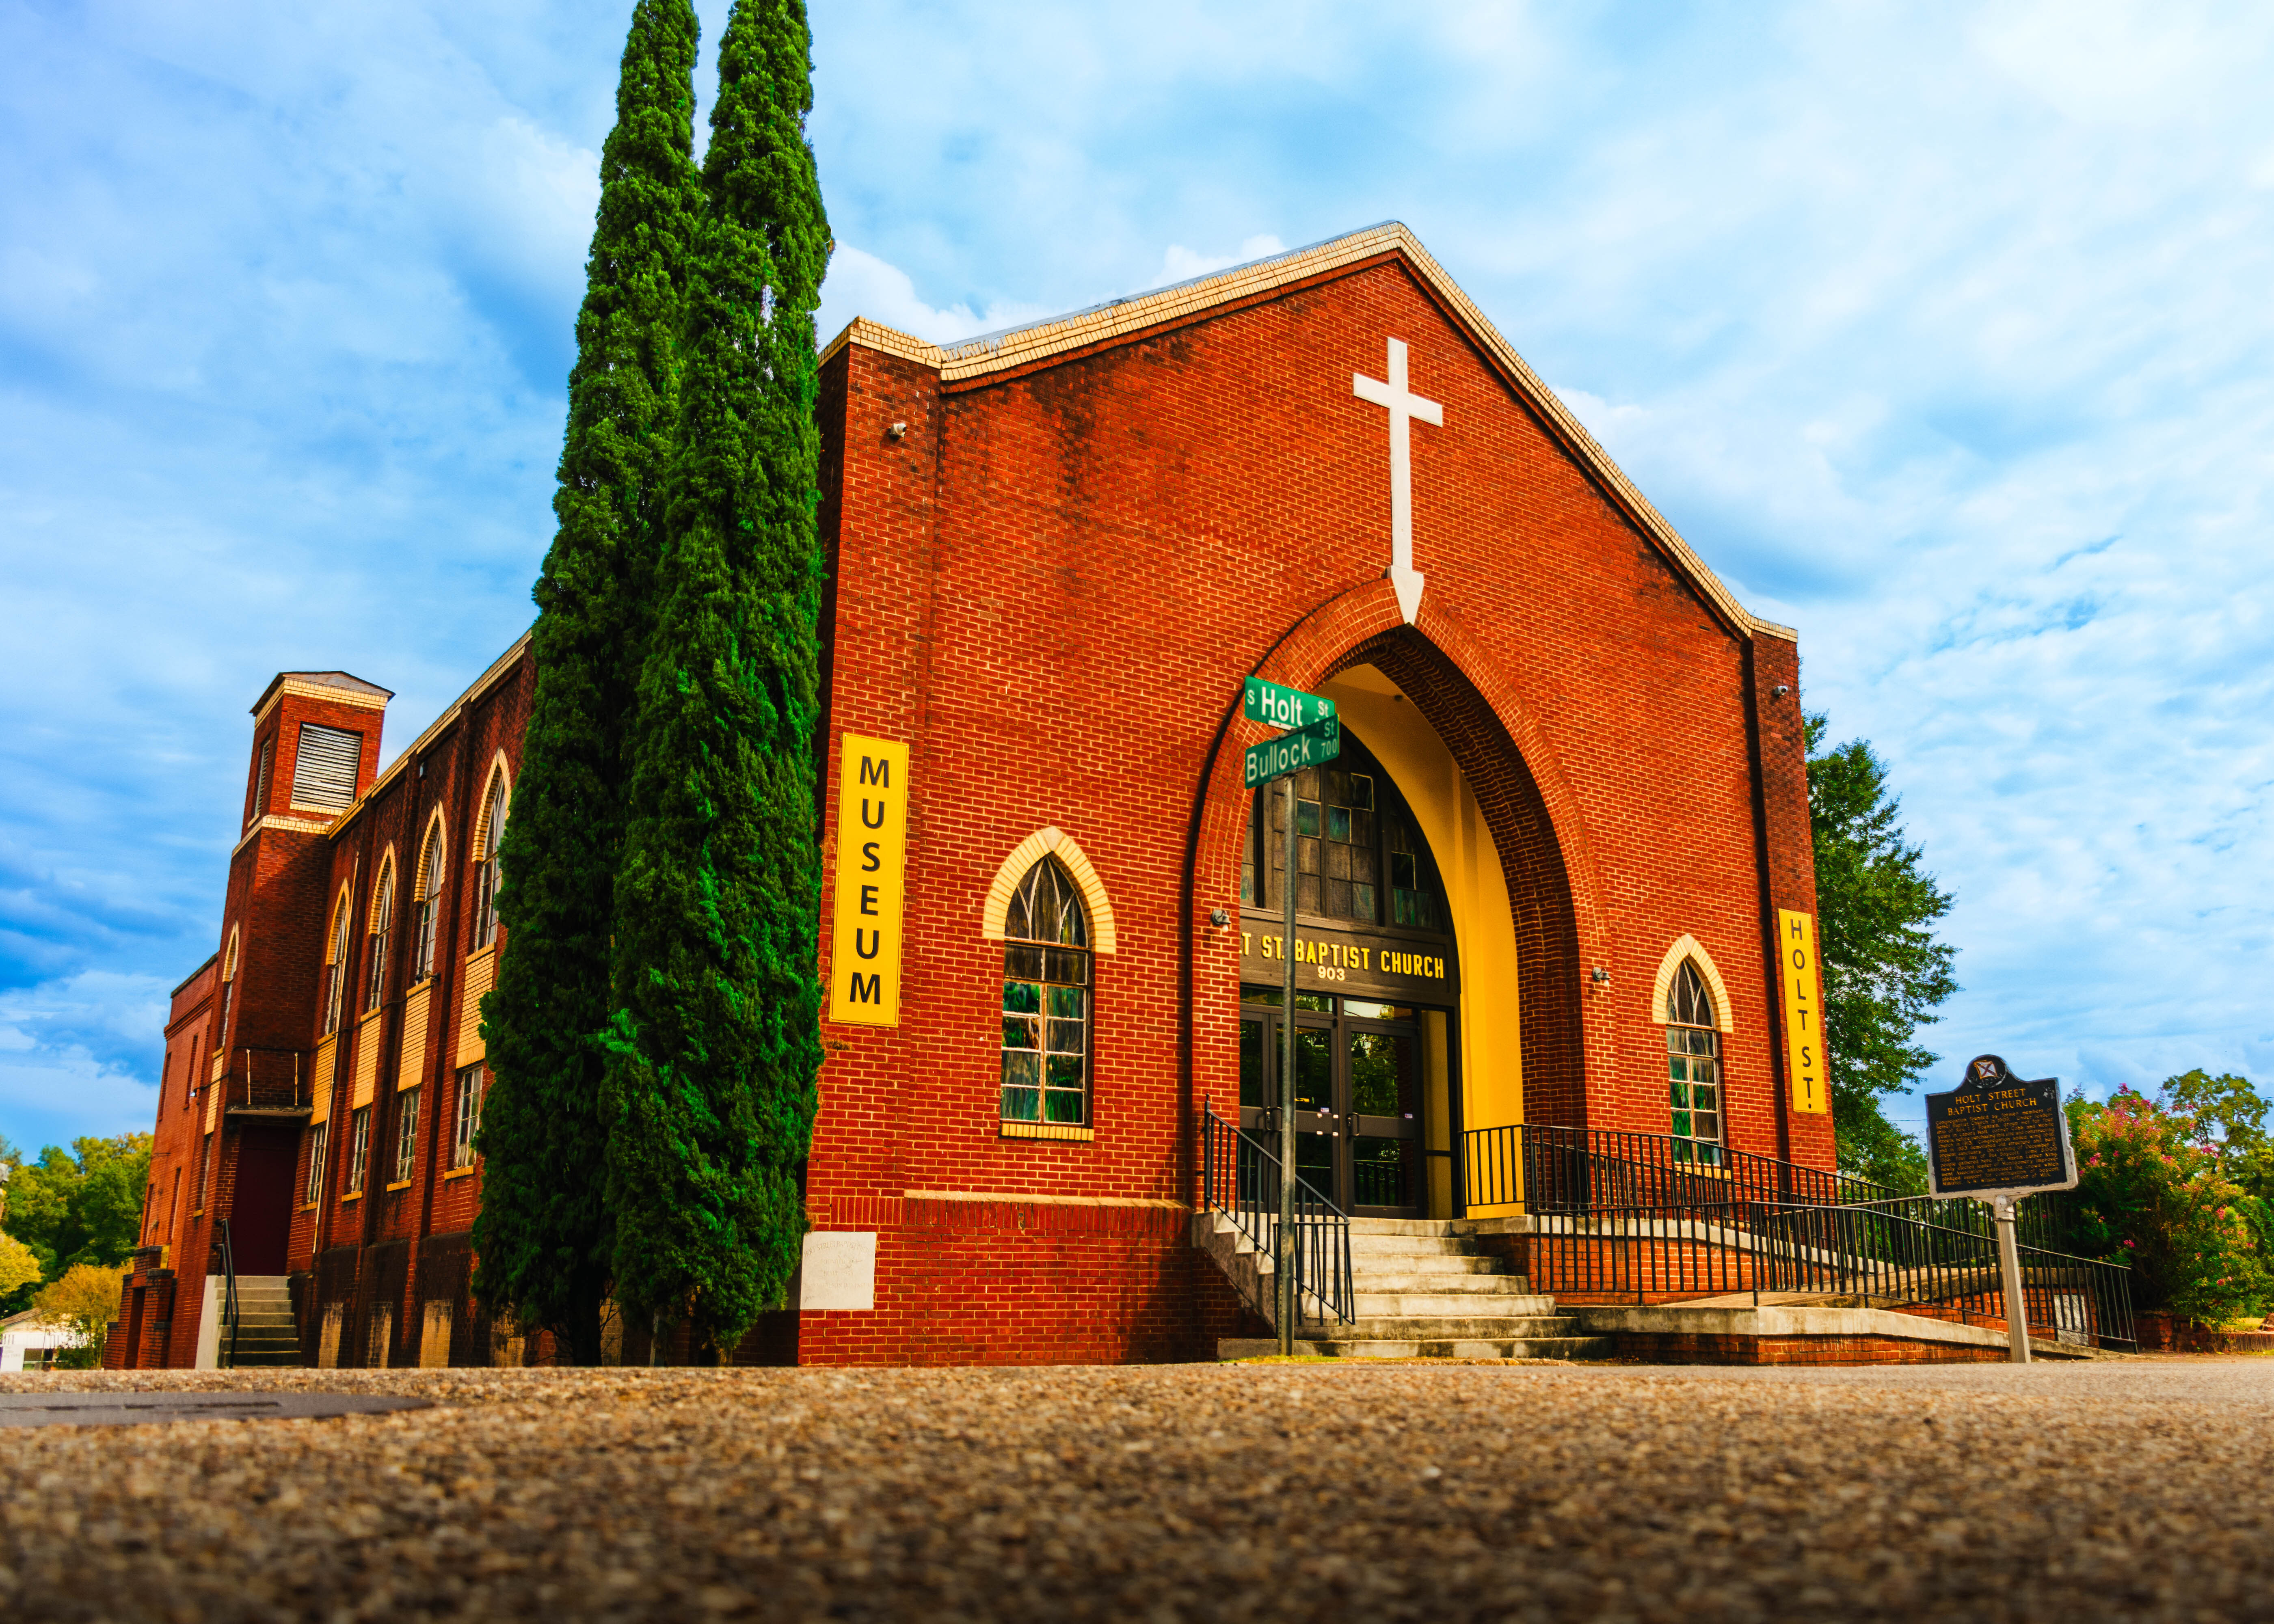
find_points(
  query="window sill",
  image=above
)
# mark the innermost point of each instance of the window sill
(1049, 1131)
(309, 1206)
(357, 1196)
(464, 1172)
(400, 1184)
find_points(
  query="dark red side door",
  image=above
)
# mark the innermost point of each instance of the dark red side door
(261, 1217)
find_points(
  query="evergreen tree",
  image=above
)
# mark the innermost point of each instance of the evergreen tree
(544, 1237)
(712, 1084)
(1884, 972)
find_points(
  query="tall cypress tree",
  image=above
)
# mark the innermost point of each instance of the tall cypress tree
(712, 1084)
(544, 1234)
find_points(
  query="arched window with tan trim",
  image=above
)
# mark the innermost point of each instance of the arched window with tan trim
(488, 833)
(1046, 1000)
(382, 932)
(427, 900)
(228, 994)
(335, 966)
(1693, 1065)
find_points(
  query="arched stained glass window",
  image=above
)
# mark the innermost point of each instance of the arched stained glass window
(382, 933)
(335, 969)
(428, 898)
(485, 858)
(1046, 1011)
(1693, 1065)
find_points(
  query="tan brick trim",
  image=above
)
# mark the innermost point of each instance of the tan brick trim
(1042, 843)
(1049, 1131)
(359, 698)
(1688, 947)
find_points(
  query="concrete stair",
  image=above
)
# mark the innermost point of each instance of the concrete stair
(1422, 1289)
(266, 1334)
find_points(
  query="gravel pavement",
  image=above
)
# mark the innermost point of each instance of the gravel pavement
(2132, 1489)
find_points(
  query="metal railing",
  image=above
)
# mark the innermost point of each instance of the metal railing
(1554, 1170)
(1547, 1170)
(1875, 1255)
(1239, 1177)
(230, 1308)
(265, 1080)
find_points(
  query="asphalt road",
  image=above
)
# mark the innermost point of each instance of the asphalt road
(2136, 1489)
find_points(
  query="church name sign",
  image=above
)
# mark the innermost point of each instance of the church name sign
(1349, 961)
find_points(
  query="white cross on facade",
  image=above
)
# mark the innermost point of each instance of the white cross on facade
(1404, 406)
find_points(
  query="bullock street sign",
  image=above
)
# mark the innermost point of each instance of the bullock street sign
(1283, 707)
(1305, 746)
(1997, 1138)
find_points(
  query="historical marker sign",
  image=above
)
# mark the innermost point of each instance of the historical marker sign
(1305, 746)
(1997, 1134)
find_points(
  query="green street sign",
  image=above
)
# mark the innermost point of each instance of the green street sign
(1306, 747)
(1284, 707)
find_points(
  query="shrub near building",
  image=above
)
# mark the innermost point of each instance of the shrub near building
(2155, 1189)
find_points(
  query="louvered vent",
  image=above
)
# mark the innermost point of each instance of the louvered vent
(324, 772)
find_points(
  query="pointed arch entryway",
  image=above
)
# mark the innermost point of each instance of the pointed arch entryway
(1522, 813)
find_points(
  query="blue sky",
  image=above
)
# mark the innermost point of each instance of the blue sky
(1943, 332)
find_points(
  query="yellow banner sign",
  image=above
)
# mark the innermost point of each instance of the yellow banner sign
(1804, 1014)
(872, 855)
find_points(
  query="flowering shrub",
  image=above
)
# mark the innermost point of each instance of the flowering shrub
(2154, 1190)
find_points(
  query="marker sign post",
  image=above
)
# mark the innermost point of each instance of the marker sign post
(1997, 1137)
(1316, 737)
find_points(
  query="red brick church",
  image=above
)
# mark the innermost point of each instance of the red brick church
(1543, 886)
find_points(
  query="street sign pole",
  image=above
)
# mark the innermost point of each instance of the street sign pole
(1285, 1268)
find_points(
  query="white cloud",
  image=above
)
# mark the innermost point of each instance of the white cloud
(1181, 264)
(860, 284)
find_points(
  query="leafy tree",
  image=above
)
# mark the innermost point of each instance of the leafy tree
(544, 1234)
(19, 1270)
(717, 1044)
(1884, 972)
(87, 1299)
(82, 1206)
(2153, 1189)
(2228, 1114)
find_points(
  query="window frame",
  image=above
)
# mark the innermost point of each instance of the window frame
(320, 1140)
(487, 871)
(381, 933)
(473, 1089)
(406, 1136)
(426, 902)
(1053, 968)
(336, 966)
(1693, 1044)
(358, 1152)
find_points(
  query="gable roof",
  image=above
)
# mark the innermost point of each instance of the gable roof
(1116, 319)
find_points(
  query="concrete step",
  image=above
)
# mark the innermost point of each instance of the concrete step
(1409, 1246)
(1427, 1347)
(1448, 1305)
(1419, 1280)
(1440, 1327)
(1442, 1228)
(1424, 1263)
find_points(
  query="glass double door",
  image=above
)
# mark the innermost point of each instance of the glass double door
(1357, 1117)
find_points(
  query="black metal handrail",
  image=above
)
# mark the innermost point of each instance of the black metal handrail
(226, 1357)
(266, 1079)
(1866, 1254)
(1239, 1177)
(1548, 1168)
